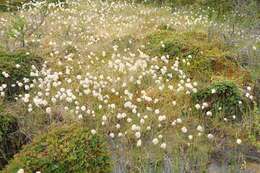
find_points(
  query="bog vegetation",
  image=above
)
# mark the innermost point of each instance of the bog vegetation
(129, 86)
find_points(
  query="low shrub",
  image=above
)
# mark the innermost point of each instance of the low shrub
(66, 148)
(223, 96)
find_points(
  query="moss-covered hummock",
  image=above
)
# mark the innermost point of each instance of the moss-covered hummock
(209, 58)
(63, 149)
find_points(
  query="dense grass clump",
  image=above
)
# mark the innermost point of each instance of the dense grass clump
(67, 148)
(223, 96)
(18, 67)
(11, 139)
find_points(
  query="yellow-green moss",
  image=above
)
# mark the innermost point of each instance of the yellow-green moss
(209, 58)
(66, 148)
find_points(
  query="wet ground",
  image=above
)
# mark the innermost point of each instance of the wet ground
(250, 168)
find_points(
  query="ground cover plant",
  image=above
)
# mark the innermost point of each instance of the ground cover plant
(67, 148)
(119, 86)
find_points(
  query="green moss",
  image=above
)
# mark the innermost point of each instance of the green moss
(67, 148)
(227, 96)
(209, 58)
(184, 42)
(200, 68)
(8, 62)
(168, 42)
(154, 46)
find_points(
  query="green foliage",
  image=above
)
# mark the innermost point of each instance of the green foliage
(172, 46)
(17, 27)
(17, 30)
(56, 1)
(189, 44)
(11, 5)
(14, 5)
(67, 148)
(8, 62)
(11, 139)
(5, 122)
(227, 96)
(207, 59)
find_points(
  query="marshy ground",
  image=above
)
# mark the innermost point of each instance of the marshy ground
(114, 86)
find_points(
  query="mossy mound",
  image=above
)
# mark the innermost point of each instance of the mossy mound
(223, 96)
(66, 148)
(11, 139)
(207, 58)
(8, 64)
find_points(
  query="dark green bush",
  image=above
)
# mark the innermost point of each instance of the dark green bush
(11, 139)
(227, 96)
(8, 62)
(63, 149)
